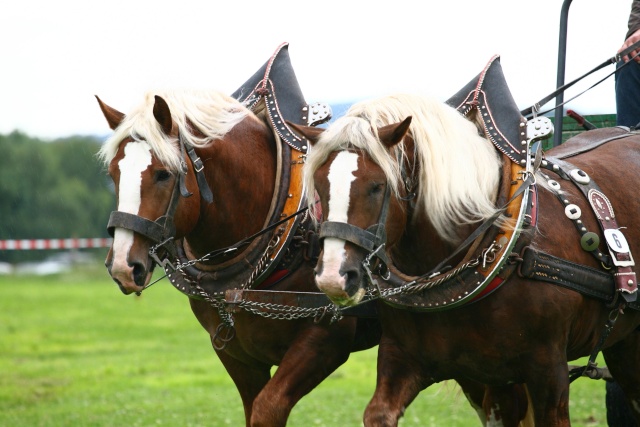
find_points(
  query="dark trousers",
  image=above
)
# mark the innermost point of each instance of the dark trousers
(618, 412)
(628, 94)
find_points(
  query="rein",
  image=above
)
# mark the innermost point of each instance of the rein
(534, 110)
(527, 182)
(215, 253)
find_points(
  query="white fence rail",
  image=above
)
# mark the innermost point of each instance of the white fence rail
(44, 244)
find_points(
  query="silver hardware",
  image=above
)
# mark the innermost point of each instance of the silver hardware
(572, 211)
(580, 176)
(554, 184)
(319, 113)
(539, 128)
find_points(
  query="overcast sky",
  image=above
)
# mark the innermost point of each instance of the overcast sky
(56, 55)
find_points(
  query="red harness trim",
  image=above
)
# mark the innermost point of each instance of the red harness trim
(492, 286)
(274, 278)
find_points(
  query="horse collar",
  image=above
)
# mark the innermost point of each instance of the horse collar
(481, 272)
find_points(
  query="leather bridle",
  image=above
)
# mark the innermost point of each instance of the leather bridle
(162, 230)
(372, 239)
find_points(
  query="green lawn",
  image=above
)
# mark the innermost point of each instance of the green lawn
(74, 351)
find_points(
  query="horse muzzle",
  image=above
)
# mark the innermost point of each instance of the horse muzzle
(345, 287)
(133, 277)
(131, 267)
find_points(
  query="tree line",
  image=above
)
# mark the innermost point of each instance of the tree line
(56, 189)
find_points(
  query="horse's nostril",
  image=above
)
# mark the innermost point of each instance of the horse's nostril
(351, 275)
(352, 282)
(139, 273)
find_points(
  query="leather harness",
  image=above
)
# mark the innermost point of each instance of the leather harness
(503, 251)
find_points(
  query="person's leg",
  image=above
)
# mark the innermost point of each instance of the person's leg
(628, 95)
(618, 412)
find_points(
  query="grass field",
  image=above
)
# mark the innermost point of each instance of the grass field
(74, 351)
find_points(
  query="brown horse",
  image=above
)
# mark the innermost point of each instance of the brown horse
(145, 161)
(413, 201)
(149, 158)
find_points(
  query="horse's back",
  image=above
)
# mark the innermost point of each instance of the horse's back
(610, 159)
(594, 141)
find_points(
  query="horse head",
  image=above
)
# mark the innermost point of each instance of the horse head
(364, 213)
(156, 200)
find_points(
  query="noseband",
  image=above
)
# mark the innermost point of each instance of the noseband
(162, 231)
(372, 239)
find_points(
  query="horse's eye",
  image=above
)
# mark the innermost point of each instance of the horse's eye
(376, 188)
(162, 175)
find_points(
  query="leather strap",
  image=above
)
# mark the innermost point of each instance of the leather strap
(150, 229)
(370, 239)
(198, 168)
(366, 239)
(541, 266)
(159, 230)
(591, 140)
(625, 277)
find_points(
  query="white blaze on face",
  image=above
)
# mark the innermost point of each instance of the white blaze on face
(137, 158)
(340, 178)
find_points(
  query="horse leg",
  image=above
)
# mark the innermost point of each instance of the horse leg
(504, 406)
(314, 355)
(475, 394)
(250, 380)
(622, 360)
(507, 406)
(399, 381)
(548, 385)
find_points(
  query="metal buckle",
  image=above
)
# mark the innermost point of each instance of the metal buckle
(195, 165)
(617, 263)
(615, 237)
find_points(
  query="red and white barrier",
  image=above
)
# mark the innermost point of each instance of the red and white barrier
(43, 244)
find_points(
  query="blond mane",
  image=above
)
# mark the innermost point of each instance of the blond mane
(458, 170)
(211, 113)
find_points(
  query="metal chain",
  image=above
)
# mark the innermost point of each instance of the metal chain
(286, 312)
(415, 287)
(179, 267)
(263, 262)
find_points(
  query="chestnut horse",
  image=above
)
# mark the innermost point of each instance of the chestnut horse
(476, 259)
(145, 161)
(238, 158)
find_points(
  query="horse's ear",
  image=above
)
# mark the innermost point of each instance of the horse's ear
(390, 135)
(113, 116)
(162, 114)
(310, 133)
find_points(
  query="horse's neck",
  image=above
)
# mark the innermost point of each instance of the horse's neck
(241, 171)
(420, 248)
